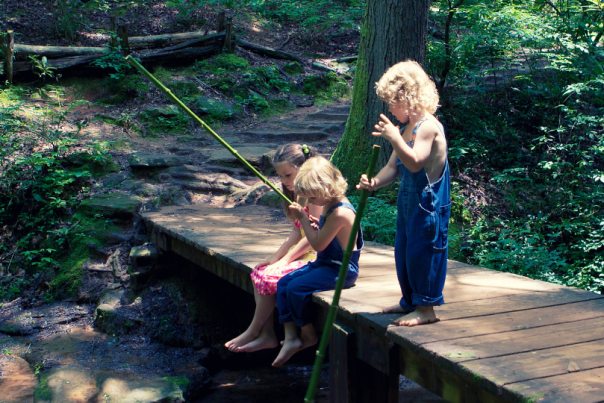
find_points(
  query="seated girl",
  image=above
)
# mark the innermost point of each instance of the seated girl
(292, 255)
(322, 184)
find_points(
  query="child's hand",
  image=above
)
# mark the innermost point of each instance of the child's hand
(314, 222)
(366, 184)
(297, 211)
(386, 129)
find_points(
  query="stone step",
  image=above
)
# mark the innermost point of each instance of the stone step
(255, 155)
(147, 160)
(293, 135)
(311, 125)
(338, 109)
(331, 117)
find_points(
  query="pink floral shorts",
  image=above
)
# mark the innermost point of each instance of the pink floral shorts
(266, 281)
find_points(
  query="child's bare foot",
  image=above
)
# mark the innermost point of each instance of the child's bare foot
(422, 315)
(240, 341)
(394, 309)
(292, 346)
(262, 342)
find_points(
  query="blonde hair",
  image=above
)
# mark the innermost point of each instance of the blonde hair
(320, 178)
(407, 82)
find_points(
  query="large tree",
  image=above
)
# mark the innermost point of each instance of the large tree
(393, 31)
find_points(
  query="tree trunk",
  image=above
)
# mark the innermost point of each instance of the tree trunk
(9, 49)
(393, 31)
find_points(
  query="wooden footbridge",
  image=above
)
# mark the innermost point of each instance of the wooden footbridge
(500, 338)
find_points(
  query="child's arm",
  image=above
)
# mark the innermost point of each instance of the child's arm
(338, 220)
(383, 178)
(413, 158)
(303, 245)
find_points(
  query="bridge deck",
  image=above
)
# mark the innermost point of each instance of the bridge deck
(500, 338)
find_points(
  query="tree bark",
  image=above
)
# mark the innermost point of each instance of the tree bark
(9, 49)
(154, 41)
(58, 51)
(264, 51)
(122, 32)
(393, 31)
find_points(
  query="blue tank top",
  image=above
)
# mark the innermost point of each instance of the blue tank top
(334, 253)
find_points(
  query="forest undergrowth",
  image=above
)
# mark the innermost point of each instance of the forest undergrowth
(522, 99)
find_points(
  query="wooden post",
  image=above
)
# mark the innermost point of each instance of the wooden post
(9, 47)
(123, 34)
(113, 29)
(220, 27)
(342, 368)
(228, 43)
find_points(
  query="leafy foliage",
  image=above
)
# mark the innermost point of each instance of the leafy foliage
(523, 110)
(39, 185)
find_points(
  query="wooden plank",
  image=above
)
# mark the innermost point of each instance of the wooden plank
(445, 383)
(540, 364)
(366, 301)
(583, 386)
(342, 368)
(505, 322)
(504, 344)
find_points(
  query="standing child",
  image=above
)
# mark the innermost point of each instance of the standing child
(424, 207)
(323, 185)
(292, 255)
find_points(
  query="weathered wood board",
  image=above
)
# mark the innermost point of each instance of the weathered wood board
(500, 338)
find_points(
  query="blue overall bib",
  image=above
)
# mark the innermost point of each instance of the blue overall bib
(295, 289)
(422, 228)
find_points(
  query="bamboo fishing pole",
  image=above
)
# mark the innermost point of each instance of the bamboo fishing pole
(333, 308)
(196, 118)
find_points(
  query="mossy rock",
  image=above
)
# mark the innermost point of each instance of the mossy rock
(271, 199)
(230, 62)
(168, 119)
(293, 68)
(184, 89)
(281, 105)
(214, 108)
(327, 87)
(111, 205)
(169, 111)
(173, 196)
(105, 318)
(97, 167)
(315, 84)
(147, 160)
(224, 84)
(141, 189)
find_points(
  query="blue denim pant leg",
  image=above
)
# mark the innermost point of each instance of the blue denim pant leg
(421, 272)
(294, 291)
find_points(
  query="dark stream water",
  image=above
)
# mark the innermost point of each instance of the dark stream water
(84, 365)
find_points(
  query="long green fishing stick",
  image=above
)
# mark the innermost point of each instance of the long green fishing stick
(333, 308)
(196, 118)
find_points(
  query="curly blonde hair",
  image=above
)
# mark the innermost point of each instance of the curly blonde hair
(407, 82)
(318, 177)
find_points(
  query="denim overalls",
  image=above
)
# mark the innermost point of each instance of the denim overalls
(422, 227)
(295, 289)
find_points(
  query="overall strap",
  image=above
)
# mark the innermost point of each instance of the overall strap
(332, 209)
(418, 125)
(340, 204)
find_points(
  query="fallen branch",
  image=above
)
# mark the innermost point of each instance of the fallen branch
(277, 54)
(183, 41)
(166, 39)
(346, 59)
(58, 51)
